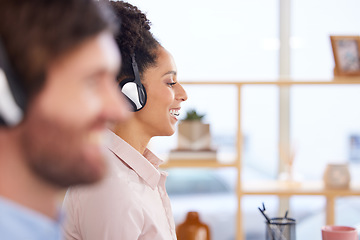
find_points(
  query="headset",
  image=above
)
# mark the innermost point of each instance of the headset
(133, 89)
(12, 96)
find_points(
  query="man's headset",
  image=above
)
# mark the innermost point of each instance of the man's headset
(133, 89)
(13, 99)
(12, 96)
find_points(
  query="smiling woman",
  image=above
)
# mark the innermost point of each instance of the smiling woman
(165, 95)
(131, 203)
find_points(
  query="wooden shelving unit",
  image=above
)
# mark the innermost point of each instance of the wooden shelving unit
(284, 189)
(289, 189)
(195, 163)
(281, 189)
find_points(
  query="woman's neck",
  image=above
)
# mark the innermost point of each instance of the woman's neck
(133, 135)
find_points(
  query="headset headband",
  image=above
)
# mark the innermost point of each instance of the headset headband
(136, 70)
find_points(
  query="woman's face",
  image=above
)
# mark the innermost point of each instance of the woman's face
(164, 97)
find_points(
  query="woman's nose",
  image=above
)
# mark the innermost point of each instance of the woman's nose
(181, 93)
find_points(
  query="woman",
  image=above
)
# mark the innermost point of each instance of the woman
(131, 202)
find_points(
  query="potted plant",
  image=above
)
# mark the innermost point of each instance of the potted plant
(192, 115)
(193, 134)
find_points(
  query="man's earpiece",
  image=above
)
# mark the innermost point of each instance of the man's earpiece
(12, 96)
(133, 88)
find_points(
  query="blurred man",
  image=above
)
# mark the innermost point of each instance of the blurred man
(58, 63)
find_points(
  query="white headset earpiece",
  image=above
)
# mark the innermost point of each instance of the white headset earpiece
(10, 113)
(133, 88)
(12, 97)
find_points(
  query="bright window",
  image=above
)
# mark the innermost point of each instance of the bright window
(238, 40)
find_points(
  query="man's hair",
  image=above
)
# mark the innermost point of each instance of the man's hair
(37, 32)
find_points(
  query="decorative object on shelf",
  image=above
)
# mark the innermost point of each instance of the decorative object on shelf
(288, 176)
(354, 148)
(193, 134)
(193, 228)
(194, 139)
(346, 51)
(337, 176)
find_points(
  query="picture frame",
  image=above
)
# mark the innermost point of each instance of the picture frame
(346, 51)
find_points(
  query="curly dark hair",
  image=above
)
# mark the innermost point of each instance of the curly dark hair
(134, 38)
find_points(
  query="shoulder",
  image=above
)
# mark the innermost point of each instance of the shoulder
(97, 210)
(109, 192)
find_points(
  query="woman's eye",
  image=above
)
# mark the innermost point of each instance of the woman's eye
(171, 84)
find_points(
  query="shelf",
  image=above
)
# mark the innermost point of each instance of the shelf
(289, 189)
(283, 189)
(194, 163)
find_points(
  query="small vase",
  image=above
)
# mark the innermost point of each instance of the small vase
(192, 228)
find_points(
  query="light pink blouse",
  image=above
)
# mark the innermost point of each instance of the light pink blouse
(129, 203)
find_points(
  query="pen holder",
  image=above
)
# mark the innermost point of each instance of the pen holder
(281, 229)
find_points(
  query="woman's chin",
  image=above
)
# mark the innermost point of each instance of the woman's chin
(172, 130)
(167, 132)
